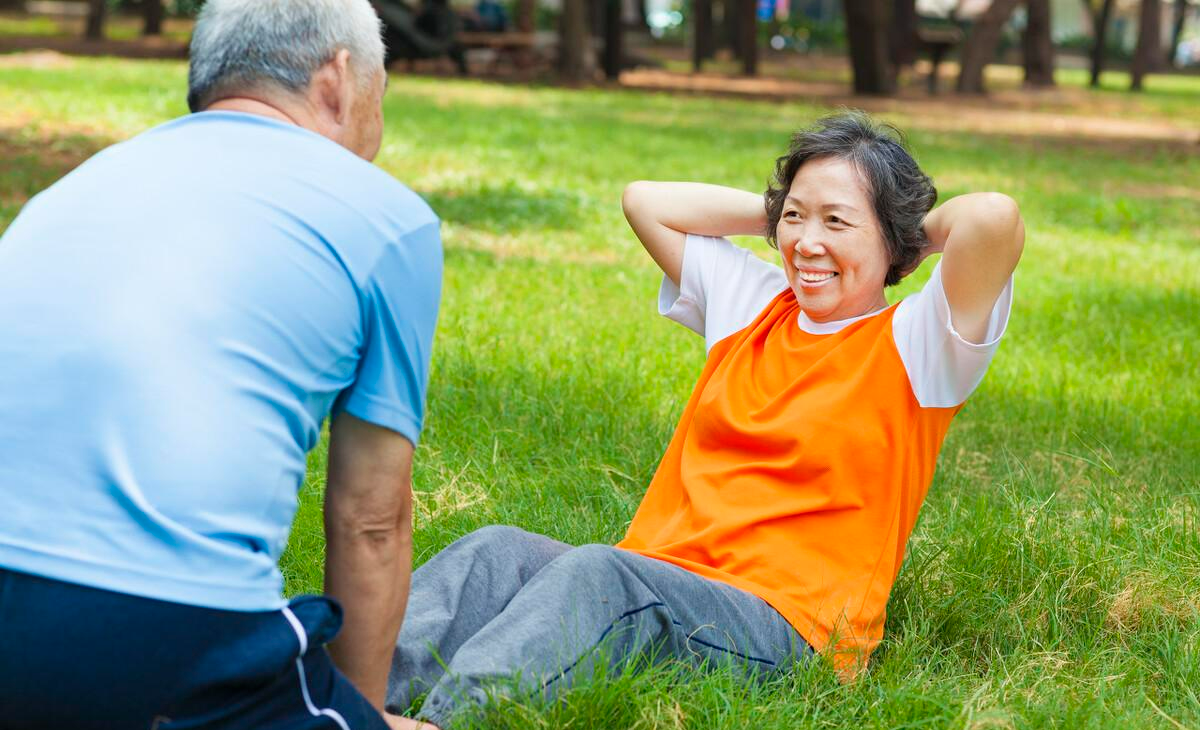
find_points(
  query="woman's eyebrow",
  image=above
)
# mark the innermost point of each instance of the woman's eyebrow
(826, 206)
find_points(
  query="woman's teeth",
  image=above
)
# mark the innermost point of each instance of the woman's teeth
(813, 277)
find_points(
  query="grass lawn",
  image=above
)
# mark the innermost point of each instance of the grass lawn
(1053, 579)
(117, 27)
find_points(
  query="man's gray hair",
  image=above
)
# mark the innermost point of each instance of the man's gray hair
(239, 45)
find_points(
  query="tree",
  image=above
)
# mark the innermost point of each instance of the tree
(1176, 31)
(868, 25)
(748, 32)
(613, 42)
(703, 42)
(1148, 54)
(97, 10)
(526, 12)
(1099, 38)
(574, 40)
(980, 46)
(1038, 45)
(904, 33)
(153, 17)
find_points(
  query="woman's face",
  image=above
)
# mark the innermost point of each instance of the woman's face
(832, 248)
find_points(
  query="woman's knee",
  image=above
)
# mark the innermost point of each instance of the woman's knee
(590, 561)
(508, 546)
(493, 536)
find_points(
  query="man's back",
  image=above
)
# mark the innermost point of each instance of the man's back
(178, 315)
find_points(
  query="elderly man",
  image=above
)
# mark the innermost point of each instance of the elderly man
(177, 318)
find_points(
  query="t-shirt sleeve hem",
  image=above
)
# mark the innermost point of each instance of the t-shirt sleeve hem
(685, 302)
(997, 319)
(392, 416)
(943, 367)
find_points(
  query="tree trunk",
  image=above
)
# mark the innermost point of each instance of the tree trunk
(595, 17)
(867, 31)
(702, 33)
(748, 32)
(979, 48)
(731, 26)
(1148, 53)
(1176, 31)
(153, 18)
(1099, 39)
(904, 33)
(643, 14)
(1038, 46)
(97, 9)
(574, 40)
(613, 51)
(526, 15)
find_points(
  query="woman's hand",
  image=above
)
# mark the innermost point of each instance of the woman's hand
(662, 213)
(981, 237)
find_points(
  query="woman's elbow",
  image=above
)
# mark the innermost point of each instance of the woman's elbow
(634, 196)
(1003, 217)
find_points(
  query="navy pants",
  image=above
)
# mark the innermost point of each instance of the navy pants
(73, 657)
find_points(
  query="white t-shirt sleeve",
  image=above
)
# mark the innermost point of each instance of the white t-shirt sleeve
(722, 288)
(943, 368)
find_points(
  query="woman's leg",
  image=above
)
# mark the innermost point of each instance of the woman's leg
(456, 594)
(599, 603)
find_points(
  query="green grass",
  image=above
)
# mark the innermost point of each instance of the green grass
(117, 27)
(1053, 579)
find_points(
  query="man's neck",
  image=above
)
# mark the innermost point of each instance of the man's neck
(248, 105)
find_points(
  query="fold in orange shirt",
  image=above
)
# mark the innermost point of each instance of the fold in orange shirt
(796, 473)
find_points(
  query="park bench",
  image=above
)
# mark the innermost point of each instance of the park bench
(519, 49)
(937, 40)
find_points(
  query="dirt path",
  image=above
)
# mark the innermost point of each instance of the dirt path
(1073, 114)
(1011, 113)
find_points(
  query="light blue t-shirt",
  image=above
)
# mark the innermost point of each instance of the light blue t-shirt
(177, 317)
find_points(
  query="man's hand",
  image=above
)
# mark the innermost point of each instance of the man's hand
(368, 558)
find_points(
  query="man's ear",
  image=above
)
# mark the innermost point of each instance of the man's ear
(332, 93)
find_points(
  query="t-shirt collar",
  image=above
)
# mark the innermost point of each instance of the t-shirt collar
(829, 328)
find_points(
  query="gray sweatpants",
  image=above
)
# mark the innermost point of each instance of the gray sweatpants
(502, 608)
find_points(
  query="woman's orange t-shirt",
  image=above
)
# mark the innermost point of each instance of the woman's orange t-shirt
(796, 473)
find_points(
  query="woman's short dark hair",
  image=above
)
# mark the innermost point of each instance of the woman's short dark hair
(902, 194)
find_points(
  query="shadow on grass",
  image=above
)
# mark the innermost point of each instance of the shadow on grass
(506, 208)
(30, 162)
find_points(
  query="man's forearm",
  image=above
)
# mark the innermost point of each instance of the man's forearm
(367, 569)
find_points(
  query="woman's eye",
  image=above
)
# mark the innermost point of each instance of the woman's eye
(791, 215)
(835, 220)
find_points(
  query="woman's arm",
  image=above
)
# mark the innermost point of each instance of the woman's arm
(661, 213)
(980, 236)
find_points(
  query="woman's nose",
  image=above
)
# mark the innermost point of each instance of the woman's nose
(810, 245)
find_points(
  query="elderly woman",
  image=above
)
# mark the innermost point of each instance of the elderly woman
(776, 523)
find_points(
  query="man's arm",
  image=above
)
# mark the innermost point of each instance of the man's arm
(661, 213)
(368, 558)
(980, 236)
